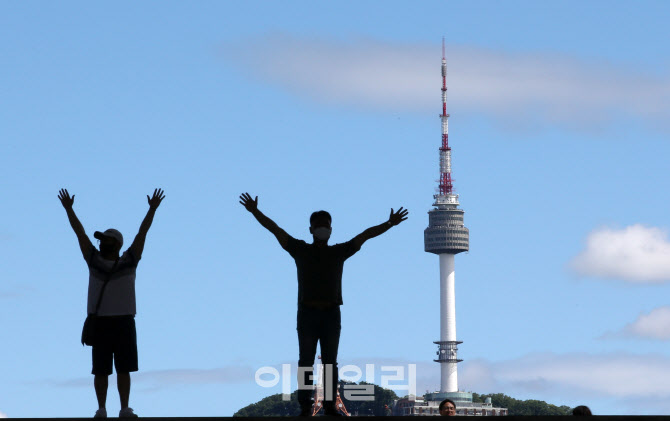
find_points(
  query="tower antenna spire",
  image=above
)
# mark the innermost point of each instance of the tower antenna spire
(443, 55)
(445, 187)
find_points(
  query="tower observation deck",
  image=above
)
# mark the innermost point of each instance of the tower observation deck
(446, 232)
(446, 236)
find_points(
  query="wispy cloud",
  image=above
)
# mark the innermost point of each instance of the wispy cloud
(222, 375)
(654, 325)
(15, 291)
(635, 254)
(3, 415)
(630, 379)
(639, 383)
(617, 375)
(156, 379)
(6, 237)
(519, 89)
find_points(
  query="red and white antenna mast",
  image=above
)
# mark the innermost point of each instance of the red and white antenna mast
(446, 187)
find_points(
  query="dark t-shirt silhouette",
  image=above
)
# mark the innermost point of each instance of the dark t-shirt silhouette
(320, 269)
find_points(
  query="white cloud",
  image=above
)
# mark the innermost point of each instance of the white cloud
(520, 89)
(654, 325)
(3, 415)
(636, 254)
(638, 383)
(617, 375)
(612, 383)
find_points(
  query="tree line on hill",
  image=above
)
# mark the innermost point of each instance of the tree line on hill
(275, 406)
(519, 407)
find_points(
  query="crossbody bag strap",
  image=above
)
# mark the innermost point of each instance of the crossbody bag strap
(104, 285)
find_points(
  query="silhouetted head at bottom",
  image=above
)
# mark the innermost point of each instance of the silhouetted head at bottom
(581, 410)
(447, 408)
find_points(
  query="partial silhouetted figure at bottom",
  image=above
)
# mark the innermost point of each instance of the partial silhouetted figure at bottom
(319, 268)
(110, 326)
(581, 410)
(447, 408)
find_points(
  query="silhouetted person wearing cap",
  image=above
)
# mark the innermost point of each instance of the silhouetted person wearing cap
(116, 338)
(319, 294)
(447, 408)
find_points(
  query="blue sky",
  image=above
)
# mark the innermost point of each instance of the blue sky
(559, 129)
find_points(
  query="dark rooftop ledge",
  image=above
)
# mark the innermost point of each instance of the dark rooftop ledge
(508, 418)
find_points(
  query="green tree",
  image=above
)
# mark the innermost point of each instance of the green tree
(374, 407)
(272, 406)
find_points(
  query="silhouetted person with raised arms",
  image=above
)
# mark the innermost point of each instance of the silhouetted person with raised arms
(319, 293)
(111, 291)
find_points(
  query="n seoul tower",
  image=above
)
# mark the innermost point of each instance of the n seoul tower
(446, 236)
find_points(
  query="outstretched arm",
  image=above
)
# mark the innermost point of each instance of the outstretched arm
(138, 243)
(84, 242)
(252, 206)
(394, 219)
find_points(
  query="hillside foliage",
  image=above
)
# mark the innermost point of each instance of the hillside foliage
(274, 406)
(527, 407)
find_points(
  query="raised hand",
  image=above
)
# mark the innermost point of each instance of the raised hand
(84, 242)
(65, 198)
(156, 199)
(249, 203)
(398, 217)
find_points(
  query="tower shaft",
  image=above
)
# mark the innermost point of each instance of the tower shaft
(449, 375)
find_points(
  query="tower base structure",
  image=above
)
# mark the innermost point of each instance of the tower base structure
(429, 405)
